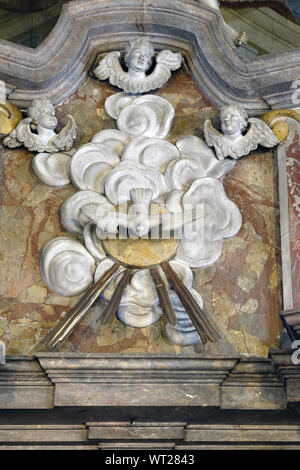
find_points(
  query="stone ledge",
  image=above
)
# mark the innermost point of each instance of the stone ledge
(24, 384)
(141, 380)
(87, 380)
(288, 372)
(253, 384)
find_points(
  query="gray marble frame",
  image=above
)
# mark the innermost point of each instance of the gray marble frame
(197, 31)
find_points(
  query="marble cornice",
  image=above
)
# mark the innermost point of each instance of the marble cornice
(51, 380)
(62, 62)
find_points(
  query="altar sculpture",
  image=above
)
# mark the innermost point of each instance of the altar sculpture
(236, 139)
(37, 133)
(138, 58)
(176, 211)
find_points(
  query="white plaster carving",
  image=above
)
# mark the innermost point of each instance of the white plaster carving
(193, 148)
(115, 103)
(183, 332)
(139, 305)
(73, 219)
(150, 152)
(218, 218)
(135, 164)
(232, 143)
(66, 266)
(92, 242)
(90, 164)
(37, 133)
(112, 138)
(129, 175)
(138, 58)
(52, 168)
(148, 116)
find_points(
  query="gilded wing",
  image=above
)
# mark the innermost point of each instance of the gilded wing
(64, 140)
(105, 66)
(261, 133)
(215, 139)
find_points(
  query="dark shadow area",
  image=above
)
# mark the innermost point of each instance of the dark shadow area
(190, 415)
(28, 23)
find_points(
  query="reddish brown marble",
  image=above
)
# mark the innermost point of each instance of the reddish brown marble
(293, 173)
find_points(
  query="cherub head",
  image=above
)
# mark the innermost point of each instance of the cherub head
(42, 113)
(233, 120)
(138, 55)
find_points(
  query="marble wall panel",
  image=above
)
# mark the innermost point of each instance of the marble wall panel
(293, 175)
(241, 291)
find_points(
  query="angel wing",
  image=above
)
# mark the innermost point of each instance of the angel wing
(169, 59)
(261, 133)
(11, 140)
(166, 62)
(103, 70)
(64, 140)
(215, 139)
(22, 135)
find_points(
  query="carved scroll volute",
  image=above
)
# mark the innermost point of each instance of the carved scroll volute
(278, 121)
(10, 116)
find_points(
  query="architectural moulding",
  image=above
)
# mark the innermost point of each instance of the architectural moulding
(74, 379)
(194, 29)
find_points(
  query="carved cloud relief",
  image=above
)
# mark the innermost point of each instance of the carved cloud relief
(105, 171)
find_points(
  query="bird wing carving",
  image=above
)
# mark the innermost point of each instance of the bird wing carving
(169, 59)
(22, 135)
(259, 131)
(19, 135)
(215, 139)
(64, 140)
(105, 66)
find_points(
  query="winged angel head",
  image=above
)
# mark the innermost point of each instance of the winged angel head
(37, 131)
(240, 135)
(138, 57)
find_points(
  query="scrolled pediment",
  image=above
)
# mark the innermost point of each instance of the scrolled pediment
(86, 30)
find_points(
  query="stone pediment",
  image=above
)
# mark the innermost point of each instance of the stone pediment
(62, 62)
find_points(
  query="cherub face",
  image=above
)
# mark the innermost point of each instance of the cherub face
(231, 121)
(47, 118)
(139, 60)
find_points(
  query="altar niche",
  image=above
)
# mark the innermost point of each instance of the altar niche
(241, 291)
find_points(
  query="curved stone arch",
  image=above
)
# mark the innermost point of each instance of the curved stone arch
(87, 28)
